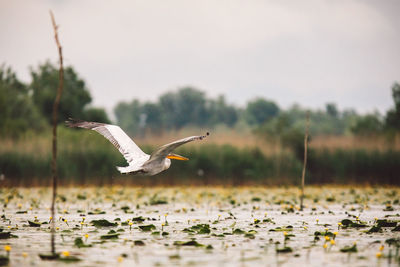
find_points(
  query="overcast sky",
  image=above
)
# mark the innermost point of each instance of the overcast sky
(306, 52)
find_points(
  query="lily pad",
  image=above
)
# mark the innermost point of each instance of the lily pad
(349, 249)
(138, 219)
(238, 231)
(386, 223)
(139, 243)
(351, 224)
(193, 243)
(80, 244)
(110, 236)
(284, 250)
(49, 257)
(34, 224)
(374, 229)
(147, 228)
(103, 223)
(4, 261)
(199, 229)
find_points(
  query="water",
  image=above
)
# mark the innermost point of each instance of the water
(223, 209)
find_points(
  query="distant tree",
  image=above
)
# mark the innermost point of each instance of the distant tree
(392, 120)
(185, 107)
(128, 115)
(367, 125)
(96, 114)
(221, 113)
(18, 113)
(153, 117)
(282, 128)
(260, 110)
(44, 86)
(332, 110)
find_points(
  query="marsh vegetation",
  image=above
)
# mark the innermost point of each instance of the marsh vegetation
(203, 226)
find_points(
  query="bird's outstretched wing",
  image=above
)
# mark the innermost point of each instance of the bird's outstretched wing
(115, 135)
(162, 152)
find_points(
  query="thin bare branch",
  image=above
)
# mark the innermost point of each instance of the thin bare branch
(305, 159)
(55, 116)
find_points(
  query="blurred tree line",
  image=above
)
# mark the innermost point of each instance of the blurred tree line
(28, 106)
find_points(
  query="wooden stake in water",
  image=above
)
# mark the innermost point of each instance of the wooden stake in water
(305, 159)
(55, 116)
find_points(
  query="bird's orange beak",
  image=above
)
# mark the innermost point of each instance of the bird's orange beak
(175, 156)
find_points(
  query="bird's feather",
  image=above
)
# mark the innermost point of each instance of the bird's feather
(131, 152)
(163, 151)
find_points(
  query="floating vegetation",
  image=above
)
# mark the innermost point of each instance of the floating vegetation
(5, 235)
(138, 219)
(96, 212)
(34, 224)
(385, 223)
(396, 229)
(198, 229)
(139, 243)
(238, 231)
(4, 261)
(374, 229)
(103, 223)
(80, 244)
(155, 200)
(284, 250)
(69, 259)
(49, 257)
(351, 224)
(110, 235)
(282, 229)
(192, 243)
(350, 249)
(202, 226)
(147, 228)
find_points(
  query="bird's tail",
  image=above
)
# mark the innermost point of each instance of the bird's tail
(123, 169)
(129, 169)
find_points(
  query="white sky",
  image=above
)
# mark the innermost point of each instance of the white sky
(306, 52)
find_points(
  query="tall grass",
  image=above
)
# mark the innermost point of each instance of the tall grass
(85, 157)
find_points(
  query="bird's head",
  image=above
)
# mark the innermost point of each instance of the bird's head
(170, 156)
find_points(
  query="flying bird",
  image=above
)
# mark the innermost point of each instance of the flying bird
(138, 161)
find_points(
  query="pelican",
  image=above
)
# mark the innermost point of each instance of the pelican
(138, 161)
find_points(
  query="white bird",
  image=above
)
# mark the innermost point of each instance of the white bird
(139, 162)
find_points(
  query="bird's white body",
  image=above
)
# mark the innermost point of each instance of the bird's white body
(138, 161)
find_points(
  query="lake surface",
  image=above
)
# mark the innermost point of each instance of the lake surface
(185, 226)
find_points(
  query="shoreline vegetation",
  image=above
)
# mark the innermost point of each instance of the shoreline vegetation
(86, 158)
(259, 143)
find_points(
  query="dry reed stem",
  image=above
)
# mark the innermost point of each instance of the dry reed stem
(55, 116)
(305, 160)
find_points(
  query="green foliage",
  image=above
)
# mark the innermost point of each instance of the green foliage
(128, 115)
(147, 228)
(282, 129)
(78, 242)
(175, 110)
(183, 108)
(260, 111)
(103, 223)
(87, 158)
(393, 115)
(44, 86)
(221, 112)
(367, 125)
(29, 107)
(96, 114)
(18, 113)
(341, 166)
(349, 249)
